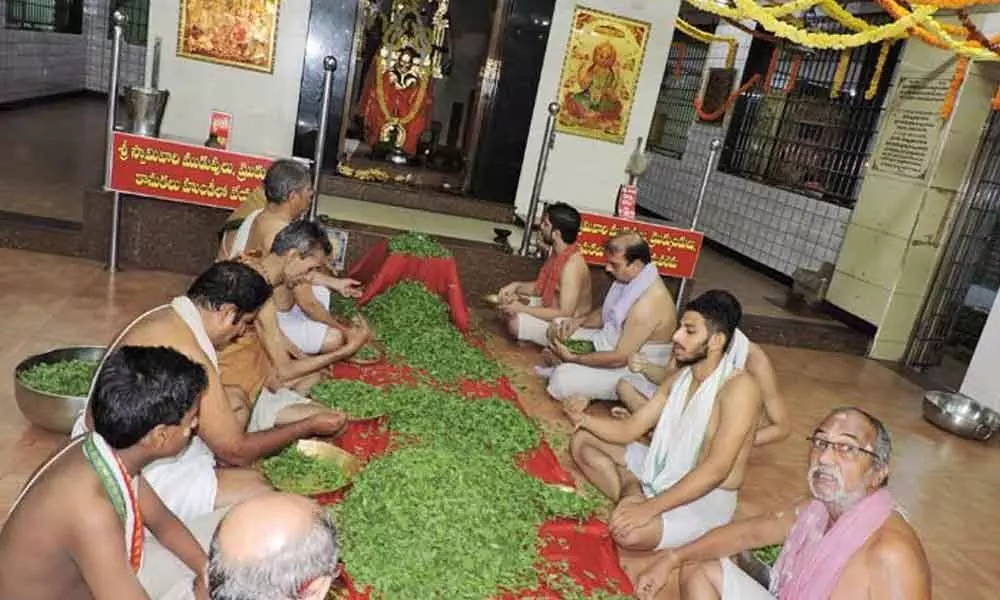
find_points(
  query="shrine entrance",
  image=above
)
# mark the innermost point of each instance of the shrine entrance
(418, 92)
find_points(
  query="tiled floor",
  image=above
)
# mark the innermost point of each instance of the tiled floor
(947, 485)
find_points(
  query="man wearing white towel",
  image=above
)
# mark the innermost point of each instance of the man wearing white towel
(638, 314)
(686, 481)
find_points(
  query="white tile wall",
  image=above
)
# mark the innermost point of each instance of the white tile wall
(777, 228)
(35, 64)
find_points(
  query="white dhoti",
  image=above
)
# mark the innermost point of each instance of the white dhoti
(571, 379)
(305, 333)
(269, 404)
(163, 575)
(641, 384)
(690, 521)
(737, 585)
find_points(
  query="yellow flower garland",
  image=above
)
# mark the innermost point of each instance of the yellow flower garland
(843, 64)
(883, 54)
(707, 38)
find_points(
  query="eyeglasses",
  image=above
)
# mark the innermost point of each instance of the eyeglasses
(843, 450)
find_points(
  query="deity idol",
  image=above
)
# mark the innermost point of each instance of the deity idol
(598, 95)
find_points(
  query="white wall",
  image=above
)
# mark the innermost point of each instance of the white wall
(264, 105)
(584, 172)
(982, 380)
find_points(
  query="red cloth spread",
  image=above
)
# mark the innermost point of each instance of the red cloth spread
(548, 278)
(379, 270)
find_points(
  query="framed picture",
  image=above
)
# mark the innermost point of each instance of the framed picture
(338, 239)
(238, 33)
(600, 74)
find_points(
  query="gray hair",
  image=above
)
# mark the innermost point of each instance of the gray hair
(284, 177)
(302, 235)
(280, 575)
(882, 446)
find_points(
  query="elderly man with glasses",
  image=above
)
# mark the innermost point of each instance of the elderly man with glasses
(847, 541)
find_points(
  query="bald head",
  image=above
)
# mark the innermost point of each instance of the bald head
(270, 547)
(632, 245)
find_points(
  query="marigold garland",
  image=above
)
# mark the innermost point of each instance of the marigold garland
(707, 38)
(793, 74)
(883, 54)
(772, 67)
(948, 106)
(843, 64)
(995, 103)
(938, 35)
(714, 116)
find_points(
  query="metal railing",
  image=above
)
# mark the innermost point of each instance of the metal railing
(57, 16)
(805, 140)
(681, 82)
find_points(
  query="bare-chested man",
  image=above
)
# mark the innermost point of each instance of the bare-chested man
(847, 542)
(686, 481)
(77, 531)
(635, 389)
(263, 363)
(218, 308)
(638, 314)
(306, 322)
(563, 287)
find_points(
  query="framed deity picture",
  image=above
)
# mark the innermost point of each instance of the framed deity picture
(238, 33)
(600, 74)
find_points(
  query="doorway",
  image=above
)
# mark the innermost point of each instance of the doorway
(968, 276)
(414, 111)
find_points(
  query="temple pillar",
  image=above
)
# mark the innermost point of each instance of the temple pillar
(917, 167)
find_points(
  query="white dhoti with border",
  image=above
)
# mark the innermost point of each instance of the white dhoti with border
(690, 521)
(571, 379)
(738, 585)
(163, 575)
(305, 333)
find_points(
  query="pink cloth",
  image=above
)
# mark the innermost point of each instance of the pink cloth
(813, 558)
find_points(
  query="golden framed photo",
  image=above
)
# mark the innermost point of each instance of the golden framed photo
(600, 74)
(238, 33)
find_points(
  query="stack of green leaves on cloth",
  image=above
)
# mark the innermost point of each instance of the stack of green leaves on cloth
(64, 378)
(417, 244)
(415, 326)
(450, 516)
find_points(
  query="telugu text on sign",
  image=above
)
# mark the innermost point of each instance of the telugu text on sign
(181, 172)
(675, 251)
(912, 128)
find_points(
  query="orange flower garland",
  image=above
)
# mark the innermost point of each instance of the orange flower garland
(841, 73)
(995, 103)
(771, 68)
(714, 116)
(956, 84)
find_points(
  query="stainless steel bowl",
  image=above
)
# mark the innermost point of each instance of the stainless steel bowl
(958, 414)
(52, 411)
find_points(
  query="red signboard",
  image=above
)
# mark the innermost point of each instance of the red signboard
(180, 172)
(626, 201)
(675, 251)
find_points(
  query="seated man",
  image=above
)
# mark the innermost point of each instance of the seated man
(306, 322)
(686, 481)
(77, 529)
(847, 542)
(273, 547)
(262, 363)
(636, 388)
(218, 307)
(563, 287)
(638, 314)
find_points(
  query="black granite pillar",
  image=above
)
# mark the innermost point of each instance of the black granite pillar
(505, 130)
(331, 33)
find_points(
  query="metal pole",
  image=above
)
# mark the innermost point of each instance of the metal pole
(116, 51)
(536, 190)
(713, 154)
(329, 66)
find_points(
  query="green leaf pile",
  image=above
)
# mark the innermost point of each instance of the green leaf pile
(417, 244)
(415, 326)
(434, 522)
(342, 306)
(294, 472)
(64, 378)
(493, 426)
